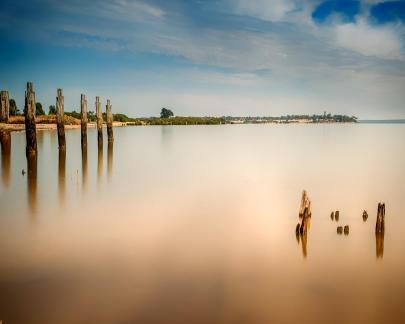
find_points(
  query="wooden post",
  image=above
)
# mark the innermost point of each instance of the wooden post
(109, 122)
(60, 115)
(380, 223)
(5, 139)
(30, 126)
(99, 116)
(83, 108)
(4, 107)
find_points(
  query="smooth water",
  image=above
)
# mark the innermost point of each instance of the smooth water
(196, 224)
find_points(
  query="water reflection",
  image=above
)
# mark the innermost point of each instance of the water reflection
(84, 166)
(100, 162)
(110, 153)
(62, 176)
(379, 245)
(5, 139)
(32, 183)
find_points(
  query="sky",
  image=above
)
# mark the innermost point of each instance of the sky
(209, 57)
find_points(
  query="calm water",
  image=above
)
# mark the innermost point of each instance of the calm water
(197, 225)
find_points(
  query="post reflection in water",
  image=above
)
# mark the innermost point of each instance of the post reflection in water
(32, 182)
(62, 175)
(5, 139)
(100, 162)
(379, 245)
(84, 166)
(110, 153)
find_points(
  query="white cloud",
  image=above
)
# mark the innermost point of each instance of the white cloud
(272, 10)
(362, 38)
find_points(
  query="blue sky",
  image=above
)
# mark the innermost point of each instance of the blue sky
(209, 57)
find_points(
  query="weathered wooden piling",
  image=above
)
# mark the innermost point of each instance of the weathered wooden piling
(380, 223)
(5, 139)
(346, 229)
(60, 119)
(109, 121)
(30, 126)
(339, 229)
(99, 116)
(83, 109)
(337, 215)
(365, 215)
(332, 215)
(4, 107)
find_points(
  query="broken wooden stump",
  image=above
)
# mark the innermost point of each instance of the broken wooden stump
(99, 116)
(109, 122)
(337, 215)
(4, 107)
(380, 223)
(332, 215)
(346, 229)
(305, 204)
(60, 115)
(365, 215)
(339, 229)
(5, 139)
(30, 126)
(83, 125)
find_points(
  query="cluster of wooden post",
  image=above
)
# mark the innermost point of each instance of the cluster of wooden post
(30, 124)
(4, 107)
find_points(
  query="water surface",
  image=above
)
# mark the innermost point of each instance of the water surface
(196, 224)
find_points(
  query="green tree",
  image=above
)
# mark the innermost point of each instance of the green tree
(13, 108)
(39, 110)
(166, 113)
(52, 110)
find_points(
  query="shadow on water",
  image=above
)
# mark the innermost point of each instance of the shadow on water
(32, 183)
(62, 176)
(5, 139)
(110, 153)
(99, 162)
(379, 245)
(84, 166)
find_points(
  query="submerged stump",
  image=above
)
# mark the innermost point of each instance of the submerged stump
(305, 205)
(30, 126)
(60, 115)
(380, 222)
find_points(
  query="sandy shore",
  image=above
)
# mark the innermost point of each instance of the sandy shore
(21, 127)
